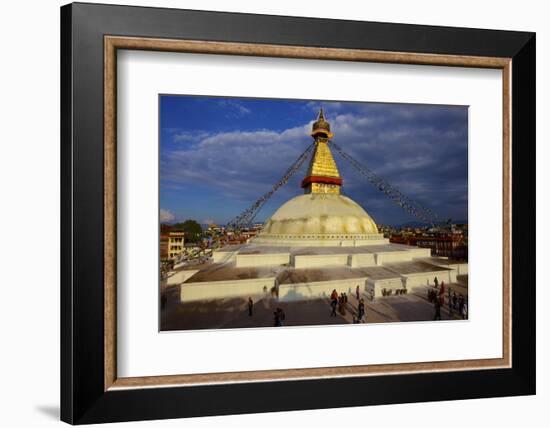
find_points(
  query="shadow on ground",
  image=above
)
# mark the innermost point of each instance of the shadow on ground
(50, 411)
(233, 313)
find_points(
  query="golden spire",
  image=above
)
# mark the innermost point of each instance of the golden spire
(321, 126)
(322, 175)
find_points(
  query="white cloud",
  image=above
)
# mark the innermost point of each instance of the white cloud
(237, 109)
(242, 164)
(190, 136)
(166, 216)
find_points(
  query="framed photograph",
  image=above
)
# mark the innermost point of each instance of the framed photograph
(273, 213)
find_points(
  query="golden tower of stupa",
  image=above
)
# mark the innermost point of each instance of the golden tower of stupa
(322, 175)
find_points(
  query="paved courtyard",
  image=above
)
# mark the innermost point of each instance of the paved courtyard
(233, 313)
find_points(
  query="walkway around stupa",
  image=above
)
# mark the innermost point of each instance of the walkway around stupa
(233, 312)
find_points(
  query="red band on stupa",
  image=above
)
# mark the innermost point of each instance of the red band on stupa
(318, 179)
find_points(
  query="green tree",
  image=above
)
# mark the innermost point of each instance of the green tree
(192, 229)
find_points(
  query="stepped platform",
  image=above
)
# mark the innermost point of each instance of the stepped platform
(301, 273)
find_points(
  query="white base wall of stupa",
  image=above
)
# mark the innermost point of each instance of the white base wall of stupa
(309, 257)
(413, 280)
(376, 287)
(261, 287)
(362, 260)
(320, 260)
(253, 271)
(460, 268)
(318, 289)
(214, 290)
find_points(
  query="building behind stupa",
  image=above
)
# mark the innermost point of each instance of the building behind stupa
(316, 242)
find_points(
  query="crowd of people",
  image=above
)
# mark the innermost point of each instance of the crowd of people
(439, 295)
(456, 303)
(339, 303)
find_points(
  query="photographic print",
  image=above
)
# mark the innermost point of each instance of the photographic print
(278, 212)
(291, 196)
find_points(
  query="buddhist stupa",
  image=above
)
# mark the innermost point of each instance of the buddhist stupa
(314, 243)
(322, 216)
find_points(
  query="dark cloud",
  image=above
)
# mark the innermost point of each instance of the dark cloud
(422, 150)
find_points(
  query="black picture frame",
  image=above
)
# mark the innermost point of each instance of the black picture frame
(83, 398)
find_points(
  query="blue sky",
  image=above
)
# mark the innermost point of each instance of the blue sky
(219, 154)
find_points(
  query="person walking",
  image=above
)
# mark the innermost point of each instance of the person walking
(436, 282)
(465, 311)
(461, 303)
(279, 316)
(276, 286)
(357, 293)
(361, 310)
(276, 318)
(333, 304)
(455, 300)
(250, 306)
(341, 307)
(450, 300)
(437, 306)
(282, 317)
